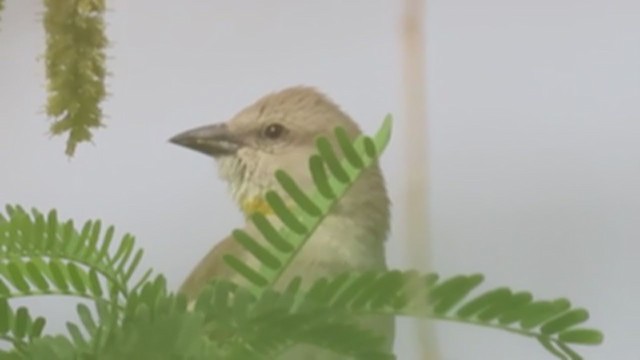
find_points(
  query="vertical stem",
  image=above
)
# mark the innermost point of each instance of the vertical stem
(417, 165)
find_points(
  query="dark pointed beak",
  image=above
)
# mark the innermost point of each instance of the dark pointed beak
(213, 140)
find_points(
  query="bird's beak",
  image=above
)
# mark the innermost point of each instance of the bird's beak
(213, 140)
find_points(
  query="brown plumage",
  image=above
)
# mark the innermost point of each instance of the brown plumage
(278, 132)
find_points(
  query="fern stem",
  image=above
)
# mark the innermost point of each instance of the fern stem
(537, 336)
(494, 326)
(51, 293)
(110, 277)
(550, 348)
(528, 333)
(142, 281)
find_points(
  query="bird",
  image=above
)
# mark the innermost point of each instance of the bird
(278, 131)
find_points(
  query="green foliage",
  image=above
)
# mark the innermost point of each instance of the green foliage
(18, 327)
(552, 322)
(75, 67)
(41, 255)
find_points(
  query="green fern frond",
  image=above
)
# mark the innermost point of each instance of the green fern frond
(48, 348)
(158, 324)
(555, 324)
(332, 178)
(246, 326)
(18, 327)
(41, 255)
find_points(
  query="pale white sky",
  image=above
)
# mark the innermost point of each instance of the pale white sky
(535, 119)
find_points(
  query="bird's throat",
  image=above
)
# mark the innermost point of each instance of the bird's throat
(256, 204)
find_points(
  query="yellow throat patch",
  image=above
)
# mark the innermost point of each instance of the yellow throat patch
(256, 204)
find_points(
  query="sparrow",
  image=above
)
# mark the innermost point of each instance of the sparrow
(278, 131)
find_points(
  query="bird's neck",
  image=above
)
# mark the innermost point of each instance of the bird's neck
(366, 204)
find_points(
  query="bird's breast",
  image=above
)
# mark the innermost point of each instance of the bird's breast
(339, 244)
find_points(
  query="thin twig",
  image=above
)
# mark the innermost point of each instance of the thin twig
(417, 174)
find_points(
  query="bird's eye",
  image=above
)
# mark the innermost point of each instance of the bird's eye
(274, 131)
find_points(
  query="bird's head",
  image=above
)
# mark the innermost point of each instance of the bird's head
(276, 132)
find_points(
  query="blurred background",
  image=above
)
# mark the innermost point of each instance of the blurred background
(533, 142)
